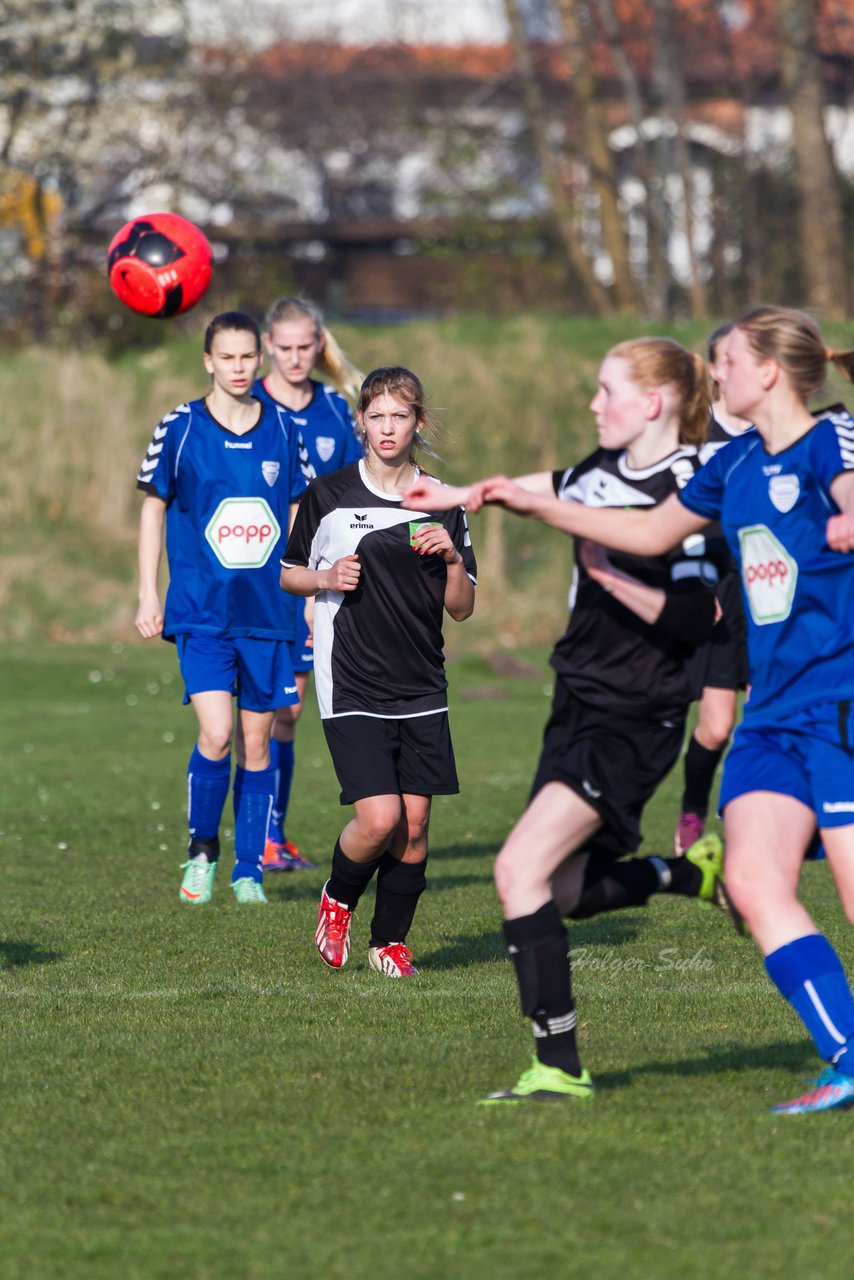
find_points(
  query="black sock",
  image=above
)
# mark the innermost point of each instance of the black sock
(538, 947)
(612, 886)
(631, 882)
(399, 886)
(349, 879)
(700, 766)
(677, 875)
(210, 847)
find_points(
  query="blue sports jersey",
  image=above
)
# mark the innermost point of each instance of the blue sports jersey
(798, 594)
(325, 424)
(228, 498)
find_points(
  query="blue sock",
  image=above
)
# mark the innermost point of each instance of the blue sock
(808, 973)
(207, 789)
(253, 800)
(282, 760)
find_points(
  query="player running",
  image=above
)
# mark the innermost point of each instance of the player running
(383, 578)
(785, 498)
(299, 344)
(620, 702)
(221, 474)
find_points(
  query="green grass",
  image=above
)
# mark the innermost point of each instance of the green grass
(190, 1093)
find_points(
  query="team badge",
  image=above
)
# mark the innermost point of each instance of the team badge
(270, 472)
(325, 446)
(784, 492)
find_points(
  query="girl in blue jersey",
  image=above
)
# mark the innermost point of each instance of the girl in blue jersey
(784, 496)
(299, 344)
(221, 474)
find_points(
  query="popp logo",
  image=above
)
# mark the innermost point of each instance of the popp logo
(243, 532)
(769, 573)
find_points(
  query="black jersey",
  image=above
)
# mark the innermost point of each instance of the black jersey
(378, 649)
(608, 656)
(719, 435)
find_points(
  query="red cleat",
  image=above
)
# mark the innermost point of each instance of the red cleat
(332, 937)
(395, 960)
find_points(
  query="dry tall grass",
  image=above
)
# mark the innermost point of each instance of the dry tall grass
(512, 396)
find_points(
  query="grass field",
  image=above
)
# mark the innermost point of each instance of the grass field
(189, 1093)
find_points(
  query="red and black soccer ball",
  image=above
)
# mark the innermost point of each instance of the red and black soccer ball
(159, 264)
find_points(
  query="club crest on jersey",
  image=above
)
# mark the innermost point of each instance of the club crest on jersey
(784, 492)
(325, 446)
(769, 574)
(243, 532)
(270, 472)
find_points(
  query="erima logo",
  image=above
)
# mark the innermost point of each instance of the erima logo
(361, 521)
(591, 790)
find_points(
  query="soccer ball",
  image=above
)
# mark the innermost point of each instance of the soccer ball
(159, 264)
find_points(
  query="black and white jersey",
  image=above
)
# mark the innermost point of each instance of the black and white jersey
(719, 435)
(607, 655)
(378, 649)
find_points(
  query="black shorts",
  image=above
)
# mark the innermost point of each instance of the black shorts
(721, 663)
(613, 763)
(373, 756)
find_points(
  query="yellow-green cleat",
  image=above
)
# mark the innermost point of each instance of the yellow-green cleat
(543, 1084)
(707, 854)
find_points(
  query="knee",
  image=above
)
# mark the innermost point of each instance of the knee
(378, 824)
(285, 721)
(510, 879)
(713, 730)
(416, 833)
(215, 743)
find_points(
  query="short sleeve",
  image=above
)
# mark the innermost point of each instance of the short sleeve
(300, 542)
(156, 474)
(832, 448)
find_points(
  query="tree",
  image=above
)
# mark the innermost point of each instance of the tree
(575, 20)
(552, 164)
(820, 210)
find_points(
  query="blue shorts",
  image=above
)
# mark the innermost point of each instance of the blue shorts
(258, 672)
(302, 653)
(811, 758)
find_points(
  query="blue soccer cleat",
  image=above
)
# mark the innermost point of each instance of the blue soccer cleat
(832, 1091)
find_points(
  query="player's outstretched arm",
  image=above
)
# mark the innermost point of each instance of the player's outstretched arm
(644, 532)
(426, 495)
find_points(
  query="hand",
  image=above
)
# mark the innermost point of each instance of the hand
(434, 540)
(426, 495)
(149, 618)
(840, 533)
(506, 493)
(595, 560)
(343, 576)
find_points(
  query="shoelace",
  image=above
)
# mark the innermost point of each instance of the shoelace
(253, 892)
(199, 875)
(337, 920)
(399, 954)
